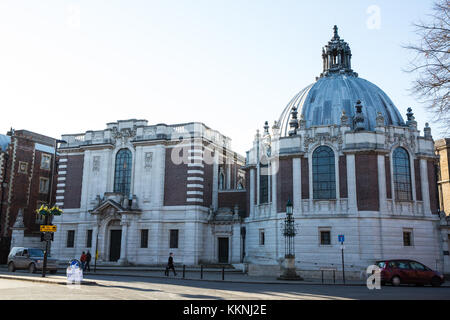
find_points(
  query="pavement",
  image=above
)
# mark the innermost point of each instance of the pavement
(209, 275)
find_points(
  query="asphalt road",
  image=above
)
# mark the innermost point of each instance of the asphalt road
(130, 288)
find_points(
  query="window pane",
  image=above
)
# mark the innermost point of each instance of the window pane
(402, 175)
(324, 178)
(122, 177)
(173, 238)
(144, 238)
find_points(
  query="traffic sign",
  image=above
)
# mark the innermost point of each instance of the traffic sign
(48, 228)
(341, 238)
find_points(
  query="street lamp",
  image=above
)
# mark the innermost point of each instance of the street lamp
(289, 233)
(50, 212)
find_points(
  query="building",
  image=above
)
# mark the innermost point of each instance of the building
(342, 153)
(26, 162)
(443, 152)
(137, 192)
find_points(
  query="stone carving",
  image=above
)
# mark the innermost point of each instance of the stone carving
(125, 133)
(96, 164)
(400, 139)
(322, 138)
(148, 159)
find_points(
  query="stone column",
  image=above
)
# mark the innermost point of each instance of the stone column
(425, 186)
(252, 192)
(274, 170)
(382, 183)
(351, 183)
(215, 195)
(297, 185)
(94, 242)
(123, 244)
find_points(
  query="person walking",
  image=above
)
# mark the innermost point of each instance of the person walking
(83, 260)
(170, 265)
(88, 262)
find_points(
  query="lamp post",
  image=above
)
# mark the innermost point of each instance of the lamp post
(50, 212)
(289, 233)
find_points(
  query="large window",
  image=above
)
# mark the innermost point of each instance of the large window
(324, 173)
(264, 185)
(402, 175)
(144, 238)
(122, 177)
(70, 238)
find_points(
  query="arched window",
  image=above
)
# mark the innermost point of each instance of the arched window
(122, 175)
(324, 173)
(402, 175)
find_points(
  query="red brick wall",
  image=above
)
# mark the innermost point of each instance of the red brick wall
(230, 199)
(343, 176)
(284, 184)
(174, 182)
(74, 181)
(367, 182)
(418, 180)
(305, 178)
(432, 183)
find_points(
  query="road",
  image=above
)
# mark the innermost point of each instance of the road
(137, 288)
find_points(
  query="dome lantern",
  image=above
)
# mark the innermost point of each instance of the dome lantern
(337, 57)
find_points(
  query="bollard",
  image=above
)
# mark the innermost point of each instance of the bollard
(322, 276)
(334, 276)
(184, 270)
(201, 272)
(223, 273)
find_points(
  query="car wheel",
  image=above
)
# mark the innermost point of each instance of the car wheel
(11, 267)
(396, 281)
(32, 268)
(435, 282)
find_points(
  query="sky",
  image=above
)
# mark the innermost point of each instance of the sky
(71, 66)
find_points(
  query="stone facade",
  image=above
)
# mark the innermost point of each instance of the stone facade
(174, 194)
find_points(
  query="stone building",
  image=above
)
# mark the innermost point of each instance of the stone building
(342, 153)
(137, 192)
(26, 161)
(443, 152)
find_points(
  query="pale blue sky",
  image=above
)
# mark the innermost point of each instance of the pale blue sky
(72, 66)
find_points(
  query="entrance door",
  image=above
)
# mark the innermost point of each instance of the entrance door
(114, 247)
(223, 250)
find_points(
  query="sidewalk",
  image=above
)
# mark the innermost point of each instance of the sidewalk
(193, 274)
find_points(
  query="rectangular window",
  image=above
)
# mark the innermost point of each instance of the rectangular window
(23, 167)
(174, 239)
(325, 237)
(89, 239)
(45, 161)
(264, 185)
(407, 238)
(262, 237)
(144, 238)
(70, 238)
(43, 185)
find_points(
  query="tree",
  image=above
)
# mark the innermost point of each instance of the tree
(432, 63)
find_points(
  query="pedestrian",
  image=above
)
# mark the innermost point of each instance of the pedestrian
(170, 265)
(88, 262)
(83, 260)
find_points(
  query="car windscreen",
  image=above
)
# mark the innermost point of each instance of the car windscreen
(36, 253)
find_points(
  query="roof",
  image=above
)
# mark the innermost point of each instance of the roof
(322, 103)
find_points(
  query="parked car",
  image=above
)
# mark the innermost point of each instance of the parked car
(403, 271)
(29, 258)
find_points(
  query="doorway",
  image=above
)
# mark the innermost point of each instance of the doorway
(223, 250)
(114, 246)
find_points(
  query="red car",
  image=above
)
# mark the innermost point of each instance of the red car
(403, 271)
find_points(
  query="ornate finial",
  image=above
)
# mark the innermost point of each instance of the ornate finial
(411, 119)
(358, 120)
(266, 127)
(294, 122)
(344, 118)
(427, 131)
(380, 119)
(410, 114)
(336, 35)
